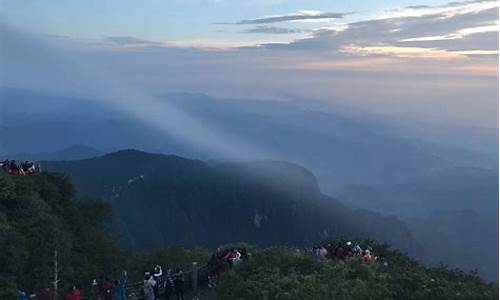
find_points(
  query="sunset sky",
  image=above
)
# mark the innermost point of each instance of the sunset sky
(424, 59)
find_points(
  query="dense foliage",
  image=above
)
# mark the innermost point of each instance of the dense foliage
(286, 273)
(39, 215)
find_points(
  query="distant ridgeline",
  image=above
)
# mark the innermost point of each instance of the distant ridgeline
(165, 199)
(46, 233)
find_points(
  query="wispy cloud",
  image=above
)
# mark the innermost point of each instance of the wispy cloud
(299, 16)
(446, 10)
(414, 52)
(129, 41)
(273, 30)
(456, 35)
(417, 6)
(452, 31)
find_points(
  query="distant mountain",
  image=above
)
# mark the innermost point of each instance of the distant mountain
(324, 141)
(455, 210)
(164, 199)
(460, 238)
(446, 189)
(74, 152)
(369, 161)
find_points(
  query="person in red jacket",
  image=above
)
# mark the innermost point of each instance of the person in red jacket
(74, 294)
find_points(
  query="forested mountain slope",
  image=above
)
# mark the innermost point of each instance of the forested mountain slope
(163, 199)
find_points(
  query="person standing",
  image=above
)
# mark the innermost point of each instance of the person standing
(119, 290)
(244, 254)
(14, 170)
(168, 283)
(367, 257)
(107, 290)
(21, 295)
(45, 294)
(149, 285)
(74, 294)
(94, 290)
(179, 284)
(157, 276)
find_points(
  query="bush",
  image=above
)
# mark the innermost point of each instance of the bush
(279, 273)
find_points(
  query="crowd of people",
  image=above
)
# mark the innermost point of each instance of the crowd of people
(343, 251)
(104, 289)
(222, 260)
(109, 290)
(169, 282)
(22, 169)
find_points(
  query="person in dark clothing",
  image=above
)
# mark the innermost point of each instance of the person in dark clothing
(31, 168)
(230, 256)
(5, 165)
(157, 276)
(26, 167)
(213, 270)
(45, 294)
(244, 254)
(340, 252)
(179, 284)
(168, 283)
(331, 251)
(13, 168)
(107, 290)
(94, 290)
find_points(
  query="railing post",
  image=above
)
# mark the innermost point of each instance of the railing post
(194, 278)
(56, 275)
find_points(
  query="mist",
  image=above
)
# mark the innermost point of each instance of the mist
(62, 70)
(390, 121)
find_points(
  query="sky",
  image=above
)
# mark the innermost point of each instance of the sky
(200, 22)
(173, 20)
(428, 60)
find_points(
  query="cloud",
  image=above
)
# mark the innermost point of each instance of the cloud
(300, 16)
(129, 41)
(408, 82)
(273, 30)
(417, 6)
(403, 54)
(414, 52)
(444, 31)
